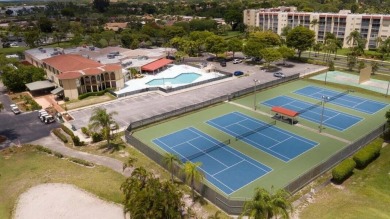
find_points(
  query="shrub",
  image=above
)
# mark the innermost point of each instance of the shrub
(82, 162)
(43, 149)
(98, 93)
(96, 137)
(343, 170)
(85, 131)
(59, 155)
(67, 130)
(76, 141)
(367, 154)
(60, 135)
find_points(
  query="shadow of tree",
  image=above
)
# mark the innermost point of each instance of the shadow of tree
(112, 147)
(11, 134)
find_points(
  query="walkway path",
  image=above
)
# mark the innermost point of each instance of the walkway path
(54, 144)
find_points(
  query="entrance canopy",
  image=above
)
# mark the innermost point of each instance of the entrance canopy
(156, 65)
(57, 90)
(39, 85)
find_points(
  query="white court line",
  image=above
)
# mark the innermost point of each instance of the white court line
(281, 142)
(227, 168)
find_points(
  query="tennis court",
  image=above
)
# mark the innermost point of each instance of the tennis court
(266, 137)
(224, 167)
(312, 112)
(342, 99)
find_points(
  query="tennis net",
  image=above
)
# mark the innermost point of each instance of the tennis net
(310, 107)
(208, 150)
(337, 96)
(238, 137)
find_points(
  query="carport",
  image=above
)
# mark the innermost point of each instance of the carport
(59, 91)
(40, 87)
(285, 115)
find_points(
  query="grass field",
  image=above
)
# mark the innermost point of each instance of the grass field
(25, 167)
(282, 173)
(74, 104)
(366, 194)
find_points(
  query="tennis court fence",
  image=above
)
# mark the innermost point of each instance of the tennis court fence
(234, 206)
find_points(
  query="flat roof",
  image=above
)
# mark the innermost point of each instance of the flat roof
(39, 85)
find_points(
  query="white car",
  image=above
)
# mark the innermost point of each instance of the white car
(15, 109)
(236, 61)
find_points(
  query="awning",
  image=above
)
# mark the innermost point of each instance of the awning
(39, 85)
(284, 111)
(156, 64)
(57, 90)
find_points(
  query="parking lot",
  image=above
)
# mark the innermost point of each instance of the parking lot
(134, 108)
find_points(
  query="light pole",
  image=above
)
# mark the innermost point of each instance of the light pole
(387, 92)
(324, 99)
(254, 91)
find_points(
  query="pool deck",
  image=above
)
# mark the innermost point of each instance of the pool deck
(141, 83)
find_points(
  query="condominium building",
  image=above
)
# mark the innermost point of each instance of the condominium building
(371, 26)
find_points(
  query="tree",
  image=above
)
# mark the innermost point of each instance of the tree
(215, 44)
(192, 174)
(361, 65)
(351, 62)
(170, 160)
(374, 67)
(314, 23)
(45, 25)
(102, 120)
(32, 38)
(129, 163)
(16, 78)
(147, 197)
(270, 55)
(286, 53)
(101, 5)
(234, 45)
(108, 35)
(317, 47)
(253, 48)
(266, 38)
(266, 205)
(300, 38)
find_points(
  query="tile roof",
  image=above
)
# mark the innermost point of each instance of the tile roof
(92, 71)
(156, 64)
(69, 62)
(69, 75)
(112, 67)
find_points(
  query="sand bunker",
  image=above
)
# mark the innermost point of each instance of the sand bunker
(62, 201)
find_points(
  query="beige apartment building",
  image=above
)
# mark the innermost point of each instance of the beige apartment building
(371, 26)
(78, 75)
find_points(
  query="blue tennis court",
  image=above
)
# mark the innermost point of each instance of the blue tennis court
(332, 118)
(347, 100)
(266, 137)
(224, 167)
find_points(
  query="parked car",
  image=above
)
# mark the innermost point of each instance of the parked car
(223, 63)
(279, 75)
(15, 109)
(42, 117)
(48, 119)
(236, 61)
(238, 73)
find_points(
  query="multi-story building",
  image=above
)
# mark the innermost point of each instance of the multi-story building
(371, 27)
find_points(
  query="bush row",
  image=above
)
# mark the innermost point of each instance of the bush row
(43, 149)
(360, 160)
(317, 62)
(67, 130)
(85, 131)
(58, 133)
(367, 154)
(343, 170)
(82, 162)
(98, 93)
(77, 142)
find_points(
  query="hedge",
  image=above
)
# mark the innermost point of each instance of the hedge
(76, 141)
(82, 162)
(67, 130)
(96, 137)
(43, 149)
(60, 135)
(343, 170)
(367, 154)
(59, 155)
(85, 131)
(98, 93)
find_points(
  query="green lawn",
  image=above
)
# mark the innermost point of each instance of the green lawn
(366, 194)
(74, 104)
(12, 50)
(23, 168)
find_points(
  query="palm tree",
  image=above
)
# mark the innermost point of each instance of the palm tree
(102, 120)
(170, 159)
(374, 68)
(193, 174)
(265, 205)
(353, 37)
(129, 163)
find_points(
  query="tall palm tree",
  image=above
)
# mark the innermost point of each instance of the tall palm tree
(280, 205)
(102, 120)
(193, 174)
(129, 163)
(170, 159)
(353, 38)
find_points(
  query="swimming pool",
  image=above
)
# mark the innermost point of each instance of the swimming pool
(183, 78)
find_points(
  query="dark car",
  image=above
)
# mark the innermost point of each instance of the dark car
(279, 75)
(238, 73)
(223, 63)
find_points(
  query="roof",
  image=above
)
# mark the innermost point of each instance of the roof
(92, 71)
(39, 85)
(70, 62)
(57, 90)
(112, 67)
(156, 64)
(69, 75)
(284, 111)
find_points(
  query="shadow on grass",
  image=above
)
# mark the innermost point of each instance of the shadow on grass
(112, 147)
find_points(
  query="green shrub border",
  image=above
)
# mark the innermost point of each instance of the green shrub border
(368, 153)
(98, 93)
(342, 171)
(43, 149)
(80, 161)
(67, 130)
(62, 137)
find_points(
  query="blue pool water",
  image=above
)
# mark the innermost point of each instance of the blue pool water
(184, 78)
